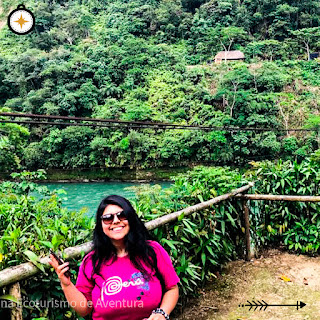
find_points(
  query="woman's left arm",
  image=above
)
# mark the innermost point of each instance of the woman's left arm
(169, 301)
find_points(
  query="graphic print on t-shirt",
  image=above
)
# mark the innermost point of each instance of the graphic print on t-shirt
(134, 302)
(115, 284)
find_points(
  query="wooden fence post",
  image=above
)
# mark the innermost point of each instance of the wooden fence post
(247, 229)
(14, 290)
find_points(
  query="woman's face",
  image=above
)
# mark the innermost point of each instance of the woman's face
(117, 229)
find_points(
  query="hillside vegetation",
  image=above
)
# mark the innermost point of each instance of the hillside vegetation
(130, 60)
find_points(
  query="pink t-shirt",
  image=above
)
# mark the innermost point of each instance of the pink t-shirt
(121, 292)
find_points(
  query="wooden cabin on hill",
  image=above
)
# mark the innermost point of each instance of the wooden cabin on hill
(233, 55)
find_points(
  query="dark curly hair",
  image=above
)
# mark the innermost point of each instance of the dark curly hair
(136, 241)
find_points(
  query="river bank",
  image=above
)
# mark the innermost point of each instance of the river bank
(110, 174)
(125, 174)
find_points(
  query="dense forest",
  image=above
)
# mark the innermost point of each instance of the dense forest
(154, 61)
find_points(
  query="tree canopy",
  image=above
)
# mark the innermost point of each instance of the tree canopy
(153, 61)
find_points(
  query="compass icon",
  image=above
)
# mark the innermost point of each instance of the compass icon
(21, 20)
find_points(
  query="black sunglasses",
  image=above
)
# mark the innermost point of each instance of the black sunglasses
(109, 218)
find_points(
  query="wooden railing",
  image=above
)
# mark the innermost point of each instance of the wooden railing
(11, 276)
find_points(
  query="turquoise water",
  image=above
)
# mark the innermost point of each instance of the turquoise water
(89, 195)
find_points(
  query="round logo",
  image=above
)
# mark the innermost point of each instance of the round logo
(21, 20)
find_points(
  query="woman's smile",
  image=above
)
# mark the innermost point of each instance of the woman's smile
(117, 229)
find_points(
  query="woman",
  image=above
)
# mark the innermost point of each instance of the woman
(127, 276)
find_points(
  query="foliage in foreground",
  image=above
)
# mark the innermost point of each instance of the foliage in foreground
(295, 224)
(199, 243)
(29, 227)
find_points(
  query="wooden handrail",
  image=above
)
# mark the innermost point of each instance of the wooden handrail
(173, 216)
(278, 197)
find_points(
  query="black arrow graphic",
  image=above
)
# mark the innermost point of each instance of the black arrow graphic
(264, 305)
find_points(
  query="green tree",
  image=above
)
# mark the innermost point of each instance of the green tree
(231, 35)
(309, 37)
(266, 49)
(13, 138)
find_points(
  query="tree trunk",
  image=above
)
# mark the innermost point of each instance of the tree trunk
(308, 49)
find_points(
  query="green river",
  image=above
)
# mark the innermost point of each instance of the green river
(88, 195)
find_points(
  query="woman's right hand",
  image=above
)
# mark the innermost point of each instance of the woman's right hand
(60, 270)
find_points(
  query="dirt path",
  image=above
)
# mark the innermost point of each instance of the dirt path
(260, 279)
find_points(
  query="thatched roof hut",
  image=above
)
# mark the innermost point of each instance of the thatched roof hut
(228, 55)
